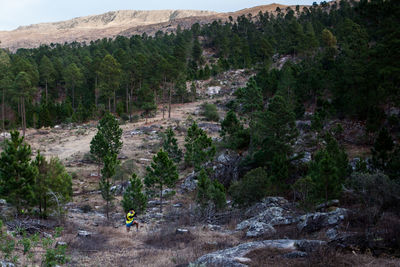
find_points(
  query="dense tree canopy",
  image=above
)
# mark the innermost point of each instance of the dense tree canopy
(347, 51)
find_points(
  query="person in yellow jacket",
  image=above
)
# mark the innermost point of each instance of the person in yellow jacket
(130, 220)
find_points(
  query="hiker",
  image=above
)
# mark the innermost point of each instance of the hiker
(130, 221)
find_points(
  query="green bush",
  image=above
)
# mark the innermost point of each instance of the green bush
(252, 188)
(210, 112)
(134, 197)
(375, 189)
(210, 192)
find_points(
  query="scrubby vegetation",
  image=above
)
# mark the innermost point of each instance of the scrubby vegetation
(316, 67)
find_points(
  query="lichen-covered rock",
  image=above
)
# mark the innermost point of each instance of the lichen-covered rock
(328, 204)
(271, 211)
(313, 222)
(6, 264)
(226, 167)
(232, 256)
(331, 233)
(84, 233)
(190, 183)
(267, 202)
(259, 229)
(273, 216)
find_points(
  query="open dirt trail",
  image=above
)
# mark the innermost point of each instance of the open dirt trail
(68, 143)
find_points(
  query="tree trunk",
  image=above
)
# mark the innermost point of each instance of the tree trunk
(73, 98)
(169, 102)
(163, 97)
(115, 109)
(155, 96)
(3, 117)
(109, 104)
(161, 187)
(96, 92)
(127, 99)
(46, 92)
(23, 116)
(107, 209)
(131, 104)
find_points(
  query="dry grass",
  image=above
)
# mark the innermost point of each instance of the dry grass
(325, 257)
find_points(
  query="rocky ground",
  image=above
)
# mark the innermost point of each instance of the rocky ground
(273, 232)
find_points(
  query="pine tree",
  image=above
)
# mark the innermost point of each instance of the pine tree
(146, 100)
(381, 151)
(251, 188)
(196, 51)
(17, 173)
(273, 132)
(199, 147)
(218, 195)
(107, 139)
(328, 170)
(235, 136)
(210, 192)
(108, 171)
(110, 75)
(134, 198)
(170, 145)
(162, 172)
(73, 77)
(51, 182)
(203, 189)
(250, 97)
(105, 146)
(47, 72)
(23, 84)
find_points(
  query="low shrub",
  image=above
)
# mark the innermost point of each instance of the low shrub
(252, 188)
(210, 112)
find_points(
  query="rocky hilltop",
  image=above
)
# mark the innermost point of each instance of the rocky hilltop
(114, 23)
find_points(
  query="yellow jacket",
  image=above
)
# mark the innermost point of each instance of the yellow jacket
(129, 216)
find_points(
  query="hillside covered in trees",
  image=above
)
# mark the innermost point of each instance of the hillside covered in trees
(326, 82)
(346, 56)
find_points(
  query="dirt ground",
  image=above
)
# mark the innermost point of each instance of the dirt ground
(110, 244)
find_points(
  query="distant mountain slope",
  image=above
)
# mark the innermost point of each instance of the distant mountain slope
(113, 23)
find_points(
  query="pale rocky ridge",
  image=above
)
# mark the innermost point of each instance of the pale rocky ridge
(114, 23)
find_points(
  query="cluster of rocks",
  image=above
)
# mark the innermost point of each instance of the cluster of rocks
(223, 84)
(277, 211)
(6, 264)
(272, 211)
(263, 217)
(152, 129)
(210, 127)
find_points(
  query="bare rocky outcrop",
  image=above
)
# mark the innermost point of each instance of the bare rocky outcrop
(235, 256)
(277, 211)
(272, 211)
(312, 222)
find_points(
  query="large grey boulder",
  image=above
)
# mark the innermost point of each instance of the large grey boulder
(190, 183)
(259, 229)
(272, 216)
(235, 257)
(312, 222)
(270, 212)
(226, 167)
(267, 202)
